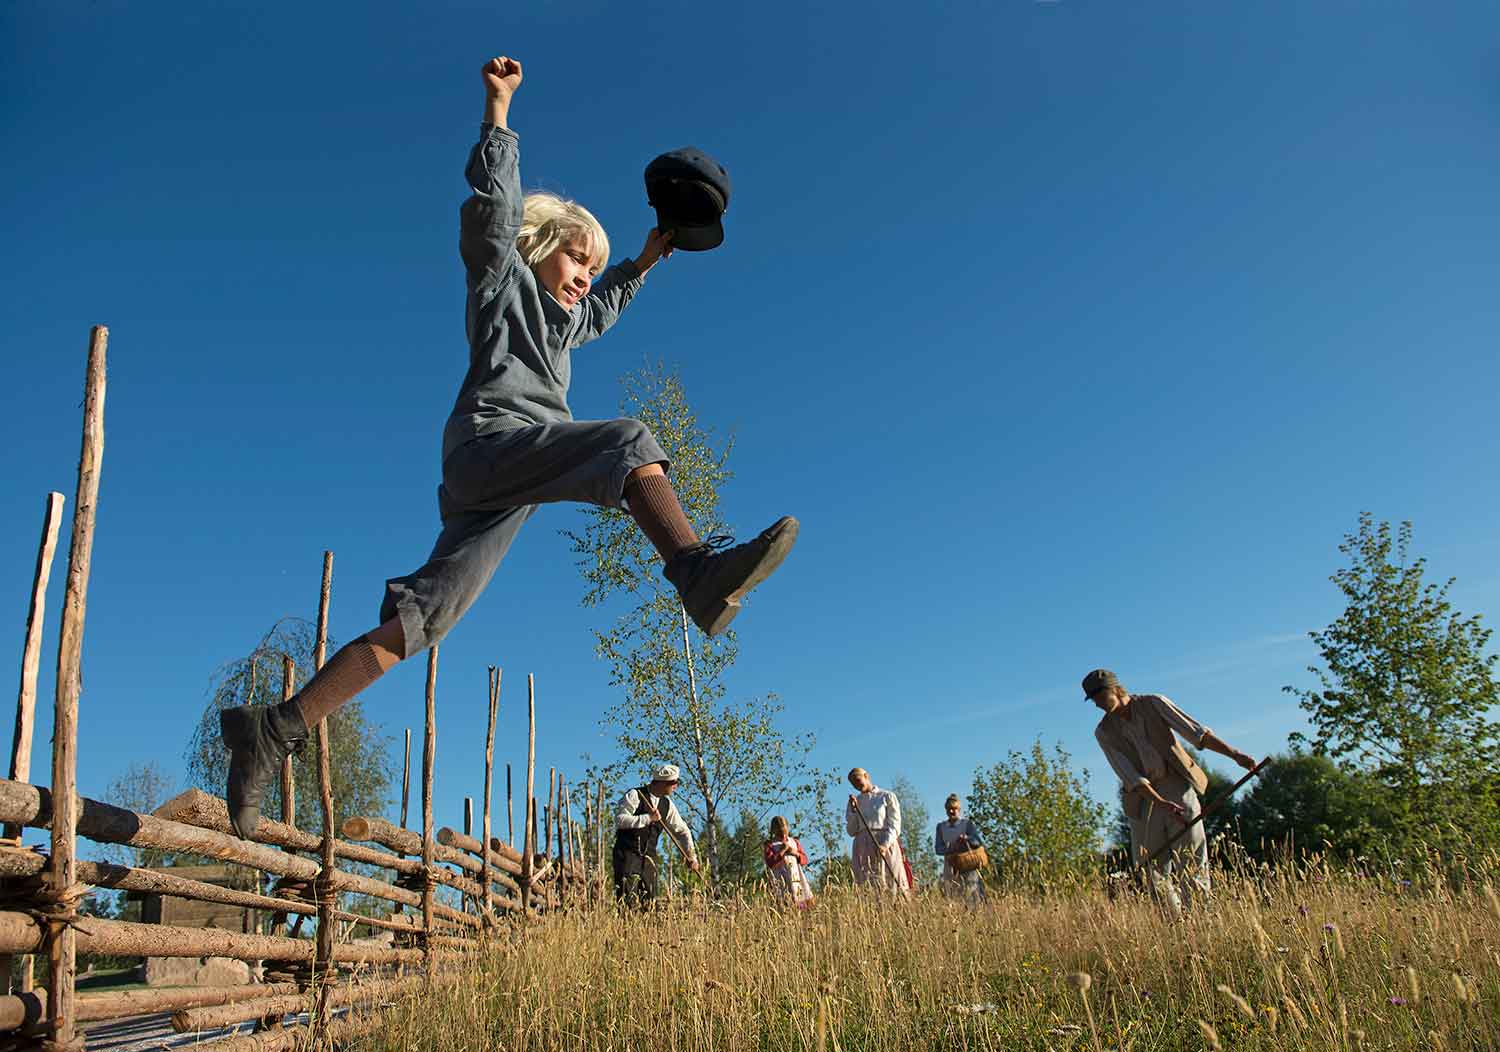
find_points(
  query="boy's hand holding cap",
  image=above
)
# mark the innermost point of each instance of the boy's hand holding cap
(690, 192)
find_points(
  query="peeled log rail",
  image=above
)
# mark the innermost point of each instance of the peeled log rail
(31, 805)
(21, 933)
(453, 838)
(93, 1007)
(23, 1009)
(379, 831)
(15, 865)
(214, 1017)
(335, 1031)
(197, 808)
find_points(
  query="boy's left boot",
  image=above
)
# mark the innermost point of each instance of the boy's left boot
(711, 578)
(259, 738)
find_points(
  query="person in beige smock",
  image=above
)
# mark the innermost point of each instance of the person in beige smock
(1159, 782)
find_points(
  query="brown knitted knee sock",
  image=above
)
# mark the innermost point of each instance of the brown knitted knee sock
(654, 506)
(351, 670)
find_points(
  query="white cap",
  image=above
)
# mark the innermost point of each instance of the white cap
(666, 773)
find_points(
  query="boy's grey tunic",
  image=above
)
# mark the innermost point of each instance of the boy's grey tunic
(511, 442)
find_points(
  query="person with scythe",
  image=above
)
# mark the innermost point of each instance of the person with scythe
(1159, 782)
(641, 816)
(873, 819)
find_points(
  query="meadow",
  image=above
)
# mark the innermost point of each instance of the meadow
(1304, 957)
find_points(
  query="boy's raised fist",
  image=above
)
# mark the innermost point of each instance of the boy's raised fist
(502, 76)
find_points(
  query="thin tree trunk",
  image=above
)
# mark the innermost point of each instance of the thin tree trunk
(710, 809)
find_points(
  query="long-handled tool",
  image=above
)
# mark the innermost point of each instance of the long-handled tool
(671, 833)
(895, 877)
(1204, 813)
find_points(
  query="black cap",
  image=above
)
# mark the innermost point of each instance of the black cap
(1097, 680)
(690, 192)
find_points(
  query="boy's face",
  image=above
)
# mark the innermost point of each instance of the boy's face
(568, 272)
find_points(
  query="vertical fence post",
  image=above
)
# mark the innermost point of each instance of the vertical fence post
(529, 832)
(599, 853)
(31, 652)
(406, 778)
(429, 756)
(288, 783)
(62, 874)
(326, 897)
(549, 811)
(489, 779)
(31, 663)
(510, 812)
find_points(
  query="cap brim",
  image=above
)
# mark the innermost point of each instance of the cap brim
(696, 238)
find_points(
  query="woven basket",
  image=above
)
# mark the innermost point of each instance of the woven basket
(970, 860)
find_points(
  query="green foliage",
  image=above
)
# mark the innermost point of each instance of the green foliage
(142, 788)
(1040, 825)
(359, 753)
(916, 832)
(741, 859)
(1304, 803)
(1405, 695)
(733, 754)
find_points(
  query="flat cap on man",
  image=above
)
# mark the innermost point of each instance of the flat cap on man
(1097, 680)
(667, 772)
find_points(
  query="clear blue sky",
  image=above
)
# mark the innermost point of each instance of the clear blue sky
(1075, 333)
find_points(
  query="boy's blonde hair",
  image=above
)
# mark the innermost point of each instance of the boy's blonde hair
(550, 220)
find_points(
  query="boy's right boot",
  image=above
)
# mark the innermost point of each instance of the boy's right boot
(258, 737)
(711, 579)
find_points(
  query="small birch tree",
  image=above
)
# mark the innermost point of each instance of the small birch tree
(733, 754)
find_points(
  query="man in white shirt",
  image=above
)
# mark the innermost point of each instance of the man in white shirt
(1159, 782)
(873, 819)
(639, 819)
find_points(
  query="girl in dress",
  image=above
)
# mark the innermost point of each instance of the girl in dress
(787, 861)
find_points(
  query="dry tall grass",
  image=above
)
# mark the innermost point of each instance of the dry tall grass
(1316, 961)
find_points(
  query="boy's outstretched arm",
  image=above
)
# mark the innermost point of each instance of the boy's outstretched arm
(617, 285)
(491, 218)
(502, 76)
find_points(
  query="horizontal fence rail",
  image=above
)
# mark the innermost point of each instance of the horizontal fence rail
(370, 874)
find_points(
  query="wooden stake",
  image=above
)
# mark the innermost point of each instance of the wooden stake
(31, 652)
(527, 857)
(468, 816)
(406, 778)
(31, 661)
(326, 896)
(62, 949)
(489, 769)
(599, 851)
(288, 785)
(429, 758)
(510, 812)
(549, 811)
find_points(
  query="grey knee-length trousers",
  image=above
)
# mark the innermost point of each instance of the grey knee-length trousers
(491, 485)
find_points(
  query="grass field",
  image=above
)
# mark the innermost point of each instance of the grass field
(1317, 960)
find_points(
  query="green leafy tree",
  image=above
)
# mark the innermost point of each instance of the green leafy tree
(1304, 803)
(141, 787)
(741, 861)
(1039, 822)
(359, 753)
(1405, 694)
(733, 753)
(916, 832)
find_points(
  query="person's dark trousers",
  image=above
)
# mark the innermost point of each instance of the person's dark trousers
(635, 877)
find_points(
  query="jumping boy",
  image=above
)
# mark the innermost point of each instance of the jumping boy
(535, 292)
